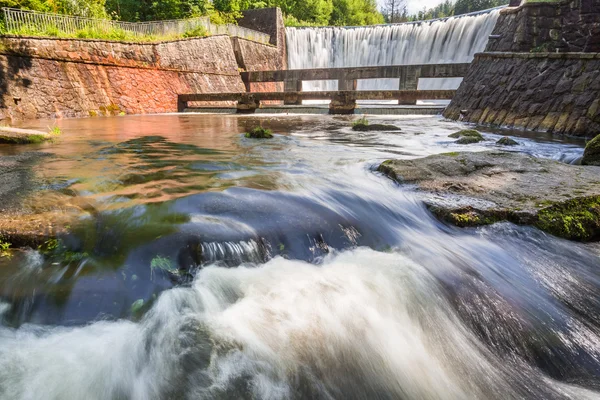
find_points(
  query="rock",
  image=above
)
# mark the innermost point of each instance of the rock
(259, 133)
(22, 136)
(591, 155)
(506, 141)
(375, 127)
(472, 189)
(468, 140)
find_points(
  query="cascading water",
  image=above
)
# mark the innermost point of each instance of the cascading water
(449, 40)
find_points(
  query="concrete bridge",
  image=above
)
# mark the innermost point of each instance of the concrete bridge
(343, 101)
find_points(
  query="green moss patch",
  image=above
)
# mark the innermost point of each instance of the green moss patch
(259, 133)
(466, 133)
(576, 219)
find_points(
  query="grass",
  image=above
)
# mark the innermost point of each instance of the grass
(113, 34)
(361, 122)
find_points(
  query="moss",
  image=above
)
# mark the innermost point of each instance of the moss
(466, 133)
(93, 113)
(376, 127)
(591, 155)
(451, 154)
(576, 219)
(259, 133)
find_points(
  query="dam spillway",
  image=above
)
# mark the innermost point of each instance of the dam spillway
(448, 40)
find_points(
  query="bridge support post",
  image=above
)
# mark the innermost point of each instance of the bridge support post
(347, 84)
(342, 103)
(181, 104)
(409, 80)
(292, 86)
(247, 104)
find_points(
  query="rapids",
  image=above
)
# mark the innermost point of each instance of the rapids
(215, 266)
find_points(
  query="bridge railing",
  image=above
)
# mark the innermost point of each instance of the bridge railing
(408, 75)
(343, 101)
(18, 21)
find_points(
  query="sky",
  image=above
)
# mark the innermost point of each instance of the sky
(416, 5)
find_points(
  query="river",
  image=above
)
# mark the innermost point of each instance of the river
(208, 265)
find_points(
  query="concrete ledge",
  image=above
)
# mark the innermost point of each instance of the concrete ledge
(553, 56)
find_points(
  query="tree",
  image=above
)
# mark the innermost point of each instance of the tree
(355, 13)
(393, 10)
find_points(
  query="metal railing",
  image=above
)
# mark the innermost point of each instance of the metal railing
(19, 21)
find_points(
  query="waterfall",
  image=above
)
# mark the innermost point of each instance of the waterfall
(448, 40)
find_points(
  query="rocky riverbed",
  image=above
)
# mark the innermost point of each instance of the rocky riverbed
(471, 189)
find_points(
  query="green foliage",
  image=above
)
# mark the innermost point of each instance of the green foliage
(259, 133)
(199, 31)
(355, 12)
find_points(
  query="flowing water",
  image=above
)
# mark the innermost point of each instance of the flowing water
(208, 265)
(443, 41)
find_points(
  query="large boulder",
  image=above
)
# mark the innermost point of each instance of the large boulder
(471, 189)
(591, 155)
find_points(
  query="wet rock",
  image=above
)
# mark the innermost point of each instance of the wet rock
(468, 140)
(506, 141)
(375, 128)
(591, 155)
(259, 133)
(472, 189)
(22, 136)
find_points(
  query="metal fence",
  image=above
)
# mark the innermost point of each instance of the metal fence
(19, 21)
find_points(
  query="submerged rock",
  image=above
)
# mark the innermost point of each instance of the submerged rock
(468, 140)
(506, 141)
(22, 136)
(366, 127)
(259, 133)
(472, 189)
(591, 155)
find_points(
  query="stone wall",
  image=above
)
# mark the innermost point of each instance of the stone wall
(567, 26)
(53, 78)
(557, 93)
(269, 21)
(50, 78)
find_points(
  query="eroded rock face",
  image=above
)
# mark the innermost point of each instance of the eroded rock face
(471, 189)
(591, 155)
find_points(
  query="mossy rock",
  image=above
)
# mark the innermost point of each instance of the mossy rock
(466, 133)
(365, 127)
(28, 139)
(506, 141)
(259, 133)
(468, 140)
(24, 136)
(591, 155)
(577, 219)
